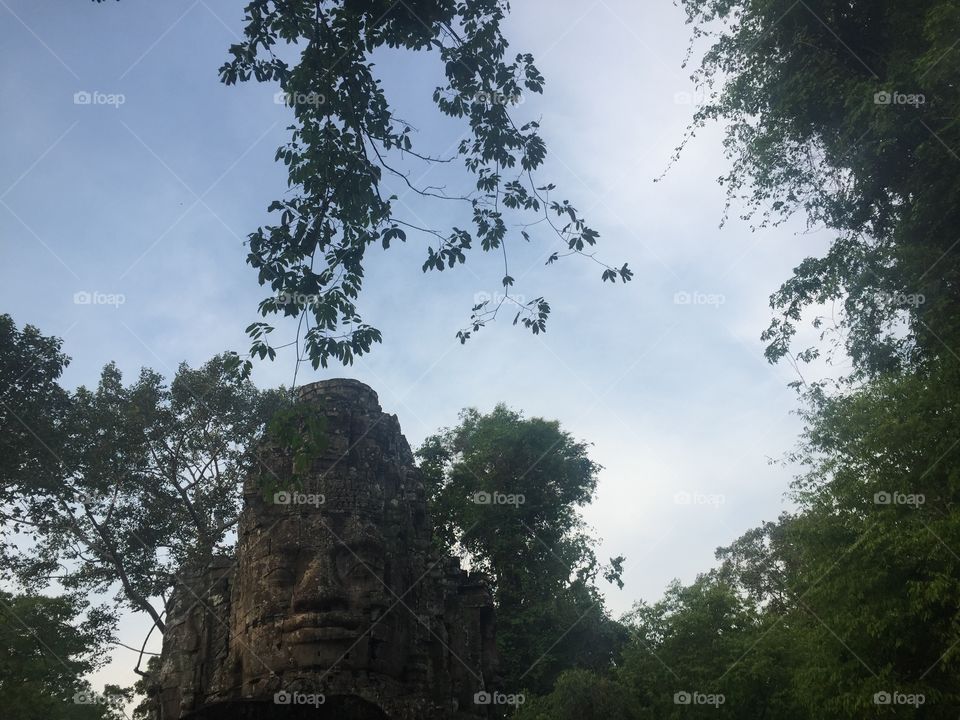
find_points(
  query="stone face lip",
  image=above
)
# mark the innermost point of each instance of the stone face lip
(336, 603)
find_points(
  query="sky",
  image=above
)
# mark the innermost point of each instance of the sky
(130, 177)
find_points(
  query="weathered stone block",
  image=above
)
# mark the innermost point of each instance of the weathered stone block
(334, 605)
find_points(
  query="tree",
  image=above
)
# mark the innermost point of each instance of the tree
(846, 112)
(347, 139)
(32, 404)
(703, 650)
(145, 687)
(45, 650)
(853, 597)
(144, 479)
(877, 536)
(506, 492)
(582, 695)
(848, 607)
(758, 561)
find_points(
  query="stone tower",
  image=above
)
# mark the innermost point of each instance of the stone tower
(336, 605)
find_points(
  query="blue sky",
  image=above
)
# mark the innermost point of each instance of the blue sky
(151, 198)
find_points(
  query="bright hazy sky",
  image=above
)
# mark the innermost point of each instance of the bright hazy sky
(151, 199)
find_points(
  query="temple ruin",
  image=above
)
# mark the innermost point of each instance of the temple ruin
(336, 604)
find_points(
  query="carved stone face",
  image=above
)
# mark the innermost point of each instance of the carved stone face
(320, 581)
(325, 597)
(310, 604)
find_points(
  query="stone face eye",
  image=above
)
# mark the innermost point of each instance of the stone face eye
(279, 577)
(360, 565)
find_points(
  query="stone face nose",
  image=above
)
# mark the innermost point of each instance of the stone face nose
(317, 586)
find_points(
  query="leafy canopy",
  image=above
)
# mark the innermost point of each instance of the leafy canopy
(32, 403)
(130, 482)
(346, 140)
(506, 491)
(846, 111)
(46, 647)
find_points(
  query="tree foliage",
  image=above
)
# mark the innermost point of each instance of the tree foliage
(138, 480)
(704, 651)
(846, 112)
(506, 491)
(347, 140)
(32, 403)
(878, 529)
(46, 647)
(849, 606)
(582, 695)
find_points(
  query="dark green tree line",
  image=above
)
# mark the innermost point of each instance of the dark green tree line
(849, 606)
